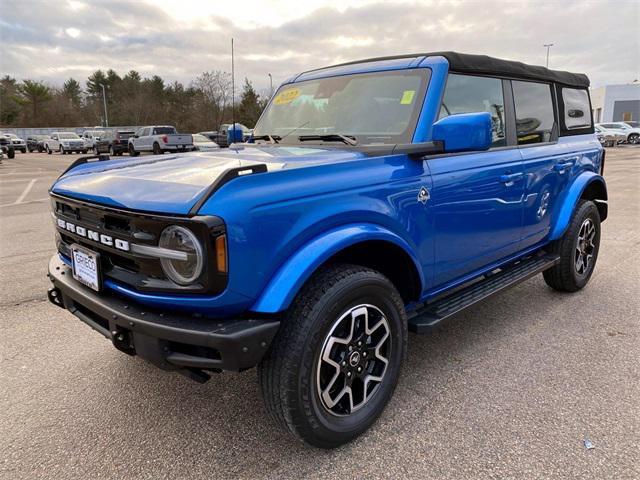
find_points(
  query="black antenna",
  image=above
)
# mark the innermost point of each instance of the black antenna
(233, 93)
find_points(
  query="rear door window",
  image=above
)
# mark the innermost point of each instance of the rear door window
(576, 108)
(535, 118)
(469, 94)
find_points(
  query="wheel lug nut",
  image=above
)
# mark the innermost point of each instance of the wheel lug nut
(364, 354)
(359, 344)
(344, 364)
(350, 348)
(349, 374)
(359, 369)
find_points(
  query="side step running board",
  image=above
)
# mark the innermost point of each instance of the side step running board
(430, 315)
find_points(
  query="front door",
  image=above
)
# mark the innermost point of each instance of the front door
(477, 206)
(476, 198)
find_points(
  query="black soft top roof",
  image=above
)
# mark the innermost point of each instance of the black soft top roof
(483, 64)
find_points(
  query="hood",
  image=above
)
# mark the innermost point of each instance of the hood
(172, 184)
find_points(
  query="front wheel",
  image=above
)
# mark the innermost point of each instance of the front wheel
(132, 151)
(49, 151)
(578, 249)
(634, 138)
(335, 362)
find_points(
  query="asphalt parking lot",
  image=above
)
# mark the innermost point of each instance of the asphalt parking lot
(511, 388)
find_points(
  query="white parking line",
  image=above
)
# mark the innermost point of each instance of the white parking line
(38, 200)
(25, 192)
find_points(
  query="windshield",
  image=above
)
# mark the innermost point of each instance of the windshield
(200, 138)
(379, 107)
(68, 135)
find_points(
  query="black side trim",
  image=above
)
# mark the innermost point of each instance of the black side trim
(81, 160)
(227, 176)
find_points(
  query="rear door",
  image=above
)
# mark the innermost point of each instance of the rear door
(549, 165)
(476, 197)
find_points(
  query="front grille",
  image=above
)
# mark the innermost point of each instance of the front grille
(140, 272)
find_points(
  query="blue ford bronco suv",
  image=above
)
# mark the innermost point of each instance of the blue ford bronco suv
(374, 198)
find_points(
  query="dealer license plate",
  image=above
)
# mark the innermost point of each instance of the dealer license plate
(86, 266)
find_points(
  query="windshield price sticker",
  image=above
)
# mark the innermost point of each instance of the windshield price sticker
(287, 96)
(407, 97)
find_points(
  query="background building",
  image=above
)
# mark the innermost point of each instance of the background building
(616, 103)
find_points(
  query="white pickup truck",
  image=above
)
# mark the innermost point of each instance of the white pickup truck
(159, 139)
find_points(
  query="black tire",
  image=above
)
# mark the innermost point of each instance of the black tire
(11, 153)
(633, 138)
(156, 149)
(132, 151)
(30, 150)
(291, 372)
(566, 275)
(23, 150)
(112, 152)
(49, 152)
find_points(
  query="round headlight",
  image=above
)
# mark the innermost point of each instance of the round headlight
(182, 271)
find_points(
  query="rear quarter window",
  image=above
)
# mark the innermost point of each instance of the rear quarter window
(576, 108)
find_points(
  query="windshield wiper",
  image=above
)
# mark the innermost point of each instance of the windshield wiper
(271, 138)
(330, 137)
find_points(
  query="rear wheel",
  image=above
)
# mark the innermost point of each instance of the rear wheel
(11, 152)
(112, 152)
(156, 149)
(578, 249)
(336, 360)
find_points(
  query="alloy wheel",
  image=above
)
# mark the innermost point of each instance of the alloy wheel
(585, 247)
(353, 360)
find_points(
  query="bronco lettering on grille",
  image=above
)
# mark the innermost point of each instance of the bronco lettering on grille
(94, 236)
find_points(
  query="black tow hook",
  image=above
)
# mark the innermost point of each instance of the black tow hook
(122, 341)
(55, 297)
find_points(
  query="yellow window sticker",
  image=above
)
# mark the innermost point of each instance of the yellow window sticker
(287, 96)
(407, 97)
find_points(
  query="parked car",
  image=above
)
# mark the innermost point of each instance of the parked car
(630, 134)
(6, 147)
(159, 139)
(375, 197)
(203, 144)
(64, 142)
(35, 143)
(221, 136)
(113, 142)
(17, 142)
(609, 138)
(90, 137)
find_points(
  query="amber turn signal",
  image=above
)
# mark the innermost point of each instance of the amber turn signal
(221, 254)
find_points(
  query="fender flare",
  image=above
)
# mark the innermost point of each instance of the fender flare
(292, 274)
(571, 200)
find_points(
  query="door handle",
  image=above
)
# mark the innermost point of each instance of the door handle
(510, 178)
(561, 167)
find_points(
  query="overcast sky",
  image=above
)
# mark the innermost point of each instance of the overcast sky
(178, 39)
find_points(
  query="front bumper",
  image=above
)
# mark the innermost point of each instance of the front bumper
(189, 344)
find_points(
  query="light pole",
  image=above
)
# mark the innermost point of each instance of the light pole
(270, 85)
(548, 46)
(104, 100)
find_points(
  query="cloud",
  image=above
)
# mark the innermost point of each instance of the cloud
(284, 37)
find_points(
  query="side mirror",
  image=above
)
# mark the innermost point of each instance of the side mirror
(575, 113)
(136, 136)
(464, 132)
